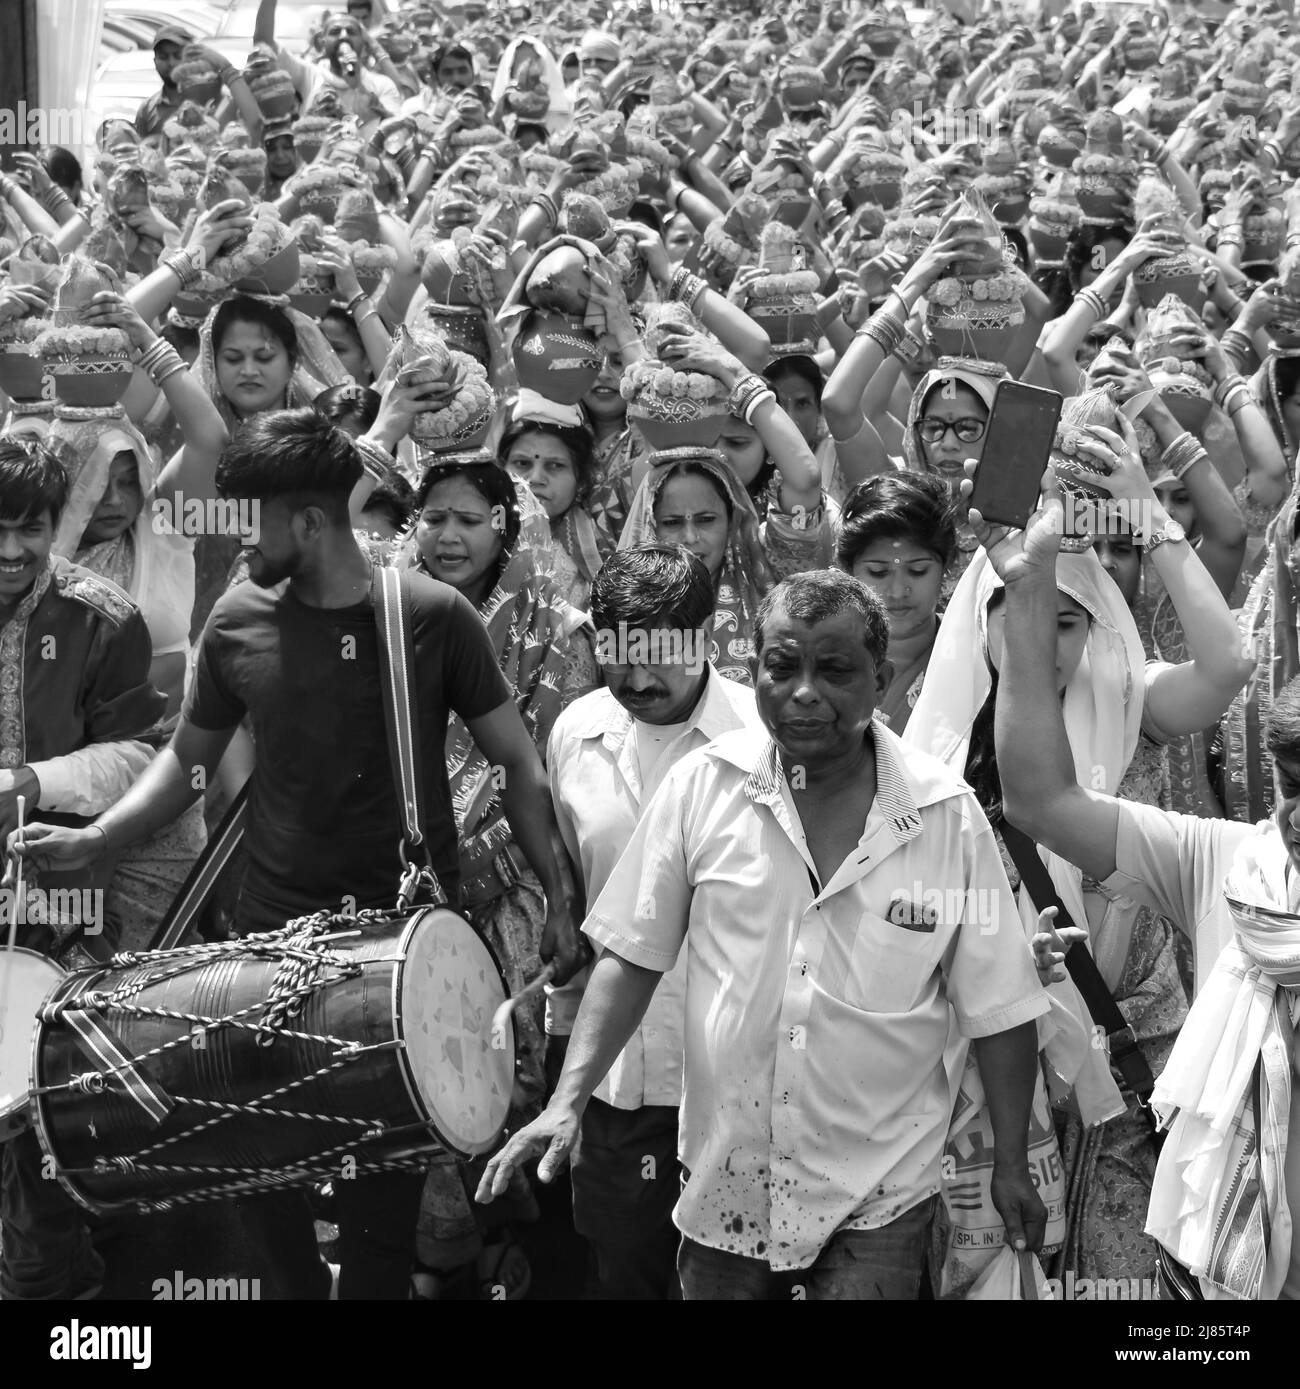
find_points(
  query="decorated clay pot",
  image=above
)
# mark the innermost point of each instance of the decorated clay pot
(673, 423)
(556, 356)
(314, 292)
(1185, 388)
(21, 370)
(249, 167)
(278, 275)
(371, 264)
(1179, 275)
(275, 95)
(194, 304)
(442, 277)
(879, 180)
(1059, 147)
(792, 206)
(197, 82)
(1169, 112)
(90, 382)
(463, 327)
(1104, 197)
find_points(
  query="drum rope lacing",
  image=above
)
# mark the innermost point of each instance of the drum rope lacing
(303, 970)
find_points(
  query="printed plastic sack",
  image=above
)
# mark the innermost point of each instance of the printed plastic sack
(1011, 1277)
(971, 1230)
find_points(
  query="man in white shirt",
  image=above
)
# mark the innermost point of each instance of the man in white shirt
(1226, 1217)
(792, 865)
(609, 752)
(369, 96)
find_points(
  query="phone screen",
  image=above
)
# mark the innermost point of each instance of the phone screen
(1017, 444)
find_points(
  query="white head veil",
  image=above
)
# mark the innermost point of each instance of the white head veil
(1103, 719)
(560, 112)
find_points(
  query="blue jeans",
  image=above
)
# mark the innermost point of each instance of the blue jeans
(856, 1266)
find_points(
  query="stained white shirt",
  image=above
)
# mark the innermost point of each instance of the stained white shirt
(815, 1095)
(599, 789)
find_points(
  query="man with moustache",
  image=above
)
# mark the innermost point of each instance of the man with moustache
(76, 704)
(367, 95)
(296, 650)
(815, 1103)
(652, 607)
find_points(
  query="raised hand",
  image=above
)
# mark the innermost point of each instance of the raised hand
(1017, 555)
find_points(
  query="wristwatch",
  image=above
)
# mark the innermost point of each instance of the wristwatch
(1170, 531)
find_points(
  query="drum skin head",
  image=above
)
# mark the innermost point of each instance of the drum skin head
(461, 1075)
(26, 980)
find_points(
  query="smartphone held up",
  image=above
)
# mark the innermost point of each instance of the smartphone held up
(1017, 447)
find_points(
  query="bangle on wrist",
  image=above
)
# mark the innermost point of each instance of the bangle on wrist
(181, 264)
(1093, 300)
(759, 398)
(1181, 454)
(375, 459)
(95, 825)
(743, 392)
(1226, 386)
(350, 306)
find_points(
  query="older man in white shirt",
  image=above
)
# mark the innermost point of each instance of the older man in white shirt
(609, 752)
(792, 864)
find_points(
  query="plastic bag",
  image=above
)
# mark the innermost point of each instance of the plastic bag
(971, 1230)
(1011, 1277)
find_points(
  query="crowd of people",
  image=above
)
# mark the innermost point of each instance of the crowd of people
(657, 348)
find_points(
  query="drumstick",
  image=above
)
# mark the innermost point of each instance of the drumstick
(502, 1014)
(13, 911)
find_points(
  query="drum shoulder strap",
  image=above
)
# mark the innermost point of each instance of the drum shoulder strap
(391, 596)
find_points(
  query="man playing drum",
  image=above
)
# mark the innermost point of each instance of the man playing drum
(75, 700)
(297, 651)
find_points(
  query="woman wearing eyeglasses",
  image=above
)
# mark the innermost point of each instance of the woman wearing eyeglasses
(946, 423)
(898, 534)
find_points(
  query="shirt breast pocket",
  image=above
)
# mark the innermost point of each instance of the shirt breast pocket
(889, 966)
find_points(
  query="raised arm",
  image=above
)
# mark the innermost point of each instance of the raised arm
(264, 24)
(1192, 695)
(176, 270)
(876, 340)
(1222, 541)
(801, 482)
(1040, 794)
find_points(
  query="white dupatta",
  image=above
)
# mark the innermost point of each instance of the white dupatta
(1103, 718)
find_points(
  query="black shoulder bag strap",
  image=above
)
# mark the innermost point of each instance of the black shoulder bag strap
(1124, 1050)
(390, 592)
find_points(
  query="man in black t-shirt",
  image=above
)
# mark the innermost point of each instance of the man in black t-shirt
(296, 650)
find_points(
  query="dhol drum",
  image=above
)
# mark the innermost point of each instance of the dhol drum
(335, 1047)
(26, 979)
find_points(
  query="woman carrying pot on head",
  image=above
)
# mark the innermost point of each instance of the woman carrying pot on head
(548, 447)
(481, 531)
(136, 526)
